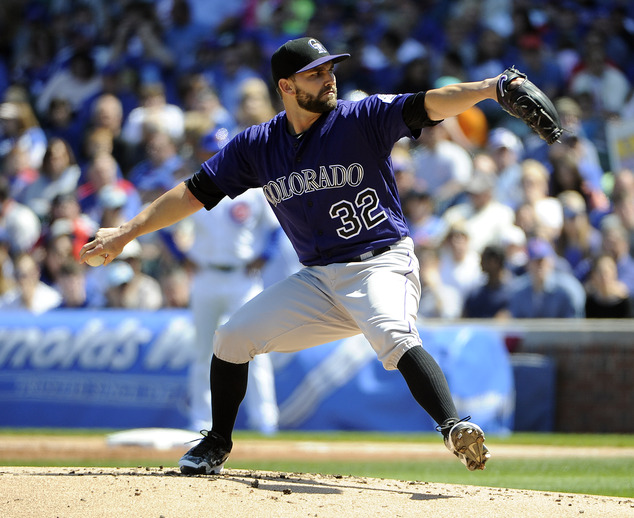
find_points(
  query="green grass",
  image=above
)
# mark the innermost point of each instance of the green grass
(593, 475)
(611, 477)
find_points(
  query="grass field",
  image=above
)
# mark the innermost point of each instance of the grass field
(596, 475)
(585, 470)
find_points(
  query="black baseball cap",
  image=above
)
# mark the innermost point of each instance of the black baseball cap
(300, 55)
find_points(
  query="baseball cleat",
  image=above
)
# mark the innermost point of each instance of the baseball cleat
(466, 441)
(207, 457)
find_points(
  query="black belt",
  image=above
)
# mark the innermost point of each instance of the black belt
(368, 255)
(223, 267)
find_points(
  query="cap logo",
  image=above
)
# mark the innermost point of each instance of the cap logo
(317, 46)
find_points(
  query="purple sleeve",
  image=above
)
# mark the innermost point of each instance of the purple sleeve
(382, 119)
(231, 169)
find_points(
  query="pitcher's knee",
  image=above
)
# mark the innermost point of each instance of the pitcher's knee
(233, 345)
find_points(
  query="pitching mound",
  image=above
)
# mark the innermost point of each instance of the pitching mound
(155, 492)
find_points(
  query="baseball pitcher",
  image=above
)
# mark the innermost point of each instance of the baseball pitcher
(324, 166)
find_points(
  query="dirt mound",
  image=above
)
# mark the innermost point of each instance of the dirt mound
(120, 492)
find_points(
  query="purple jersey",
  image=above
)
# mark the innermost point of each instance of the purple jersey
(332, 188)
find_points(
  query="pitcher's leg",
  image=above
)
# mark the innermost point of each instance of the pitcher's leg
(289, 316)
(387, 312)
(228, 388)
(428, 385)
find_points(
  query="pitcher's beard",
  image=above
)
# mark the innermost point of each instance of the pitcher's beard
(316, 104)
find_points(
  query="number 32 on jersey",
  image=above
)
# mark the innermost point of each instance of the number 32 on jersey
(363, 213)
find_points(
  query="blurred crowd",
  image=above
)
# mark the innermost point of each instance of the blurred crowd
(106, 104)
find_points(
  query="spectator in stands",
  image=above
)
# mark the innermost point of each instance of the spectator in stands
(438, 300)
(112, 200)
(60, 122)
(567, 174)
(507, 151)
(615, 243)
(19, 127)
(459, 262)
(107, 114)
(160, 170)
(59, 175)
(416, 75)
(539, 65)
(17, 170)
(227, 72)
(547, 209)
(120, 81)
(485, 218)
(184, 35)
(76, 84)
(138, 52)
(513, 242)
(57, 250)
(426, 228)
(175, 284)
(384, 60)
(96, 140)
(205, 100)
(578, 240)
(138, 42)
(153, 113)
(490, 299)
(623, 202)
(65, 207)
(543, 292)
(71, 284)
(489, 55)
(596, 75)
(255, 104)
(103, 171)
(7, 280)
(443, 168)
(30, 293)
(117, 280)
(576, 142)
(123, 289)
(34, 48)
(20, 224)
(607, 296)
(404, 171)
(144, 291)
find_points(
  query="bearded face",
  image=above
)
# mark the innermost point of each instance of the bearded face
(324, 101)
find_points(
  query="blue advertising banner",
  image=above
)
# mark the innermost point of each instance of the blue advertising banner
(125, 369)
(107, 369)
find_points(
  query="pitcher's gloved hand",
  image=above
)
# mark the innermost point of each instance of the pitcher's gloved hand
(522, 99)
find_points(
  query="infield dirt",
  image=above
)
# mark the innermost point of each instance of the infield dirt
(162, 491)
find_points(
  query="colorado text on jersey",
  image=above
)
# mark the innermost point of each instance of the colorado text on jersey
(308, 180)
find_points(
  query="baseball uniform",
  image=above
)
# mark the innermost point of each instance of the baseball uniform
(226, 240)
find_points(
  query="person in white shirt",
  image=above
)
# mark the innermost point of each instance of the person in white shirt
(549, 213)
(443, 168)
(20, 224)
(228, 252)
(154, 112)
(485, 219)
(459, 264)
(30, 293)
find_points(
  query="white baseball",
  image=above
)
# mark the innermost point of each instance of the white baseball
(96, 260)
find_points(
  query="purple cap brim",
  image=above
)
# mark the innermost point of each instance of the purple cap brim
(331, 57)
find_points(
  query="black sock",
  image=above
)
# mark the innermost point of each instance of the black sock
(228, 388)
(428, 385)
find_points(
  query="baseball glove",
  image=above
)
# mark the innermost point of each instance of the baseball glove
(525, 101)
